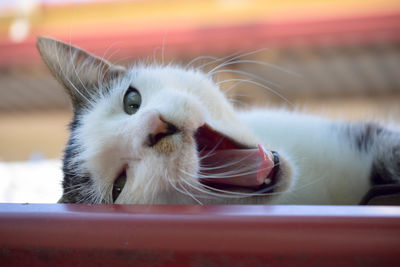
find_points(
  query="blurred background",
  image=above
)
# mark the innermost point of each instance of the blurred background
(336, 58)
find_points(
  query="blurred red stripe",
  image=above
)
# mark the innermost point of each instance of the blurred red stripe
(224, 39)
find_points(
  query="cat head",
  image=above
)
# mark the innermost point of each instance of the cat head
(139, 134)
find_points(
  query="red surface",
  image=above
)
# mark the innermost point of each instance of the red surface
(71, 235)
(222, 39)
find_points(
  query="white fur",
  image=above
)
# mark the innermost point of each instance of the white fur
(328, 170)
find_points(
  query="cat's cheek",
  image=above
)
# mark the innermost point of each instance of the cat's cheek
(155, 179)
(285, 179)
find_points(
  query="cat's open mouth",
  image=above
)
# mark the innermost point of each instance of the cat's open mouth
(226, 163)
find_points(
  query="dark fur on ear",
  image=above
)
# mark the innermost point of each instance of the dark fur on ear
(80, 73)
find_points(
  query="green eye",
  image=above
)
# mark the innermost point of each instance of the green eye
(132, 101)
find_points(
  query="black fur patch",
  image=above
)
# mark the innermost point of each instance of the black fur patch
(384, 147)
(380, 174)
(74, 185)
(365, 135)
(392, 190)
(386, 166)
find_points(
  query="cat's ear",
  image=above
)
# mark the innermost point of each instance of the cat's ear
(81, 74)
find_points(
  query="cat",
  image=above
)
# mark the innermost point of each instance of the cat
(156, 134)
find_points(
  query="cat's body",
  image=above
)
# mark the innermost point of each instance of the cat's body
(329, 166)
(137, 137)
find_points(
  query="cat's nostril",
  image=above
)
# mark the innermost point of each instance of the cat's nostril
(161, 129)
(171, 129)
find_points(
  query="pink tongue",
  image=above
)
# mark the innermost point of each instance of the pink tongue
(239, 167)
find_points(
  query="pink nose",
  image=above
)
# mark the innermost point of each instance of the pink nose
(159, 128)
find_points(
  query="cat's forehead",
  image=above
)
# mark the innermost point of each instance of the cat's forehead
(169, 76)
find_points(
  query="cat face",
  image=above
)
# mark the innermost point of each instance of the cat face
(139, 134)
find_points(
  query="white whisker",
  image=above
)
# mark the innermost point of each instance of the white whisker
(227, 194)
(69, 81)
(225, 63)
(230, 57)
(203, 167)
(72, 57)
(231, 194)
(259, 63)
(209, 153)
(190, 194)
(245, 73)
(199, 58)
(217, 59)
(183, 191)
(260, 85)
